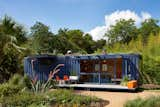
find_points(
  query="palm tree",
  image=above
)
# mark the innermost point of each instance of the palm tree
(9, 50)
(9, 27)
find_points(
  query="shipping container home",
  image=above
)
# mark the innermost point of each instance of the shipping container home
(95, 69)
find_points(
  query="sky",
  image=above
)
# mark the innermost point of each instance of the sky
(90, 16)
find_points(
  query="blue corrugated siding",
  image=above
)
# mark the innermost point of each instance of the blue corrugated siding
(72, 63)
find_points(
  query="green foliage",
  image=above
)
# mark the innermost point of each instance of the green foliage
(149, 102)
(75, 39)
(9, 27)
(21, 81)
(125, 81)
(57, 97)
(149, 26)
(61, 45)
(42, 37)
(11, 36)
(24, 99)
(150, 52)
(68, 97)
(43, 86)
(15, 80)
(8, 90)
(123, 37)
(124, 31)
(12, 94)
(27, 82)
(152, 69)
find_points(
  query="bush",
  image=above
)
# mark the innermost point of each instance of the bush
(56, 97)
(62, 96)
(24, 99)
(8, 90)
(21, 81)
(152, 69)
(27, 82)
(13, 94)
(16, 79)
(124, 81)
(149, 102)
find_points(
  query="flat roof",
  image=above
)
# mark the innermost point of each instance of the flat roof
(88, 56)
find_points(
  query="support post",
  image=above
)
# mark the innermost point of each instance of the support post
(99, 73)
(115, 62)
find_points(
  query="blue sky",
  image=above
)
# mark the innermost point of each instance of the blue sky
(74, 14)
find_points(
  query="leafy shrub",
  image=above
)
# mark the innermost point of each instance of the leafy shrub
(27, 82)
(68, 97)
(125, 81)
(21, 81)
(16, 79)
(8, 90)
(24, 99)
(149, 102)
(151, 69)
(13, 94)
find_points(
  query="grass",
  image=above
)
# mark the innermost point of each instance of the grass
(156, 90)
(153, 101)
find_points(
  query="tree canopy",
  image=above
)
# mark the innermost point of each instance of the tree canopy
(123, 31)
(149, 26)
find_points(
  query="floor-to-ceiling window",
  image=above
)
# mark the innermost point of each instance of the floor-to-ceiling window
(100, 71)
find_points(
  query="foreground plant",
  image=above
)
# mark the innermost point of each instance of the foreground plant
(39, 86)
(153, 101)
(124, 81)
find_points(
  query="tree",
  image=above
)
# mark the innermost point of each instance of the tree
(89, 43)
(83, 41)
(100, 44)
(149, 26)
(76, 36)
(79, 41)
(42, 38)
(10, 51)
(9, 27)
(65, 41)
(123, 31)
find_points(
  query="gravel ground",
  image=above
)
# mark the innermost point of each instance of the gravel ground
(117, 99)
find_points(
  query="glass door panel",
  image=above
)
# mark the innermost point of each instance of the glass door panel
(105, 78)
(89, 78)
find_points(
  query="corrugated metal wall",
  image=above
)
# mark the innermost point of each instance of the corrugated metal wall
(42, 65)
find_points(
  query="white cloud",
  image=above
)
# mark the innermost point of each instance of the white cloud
(145, 15)
(98, 32)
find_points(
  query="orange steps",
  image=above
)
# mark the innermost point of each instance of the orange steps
(132, 84)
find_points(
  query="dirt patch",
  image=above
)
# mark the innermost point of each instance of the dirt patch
(118, 99)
